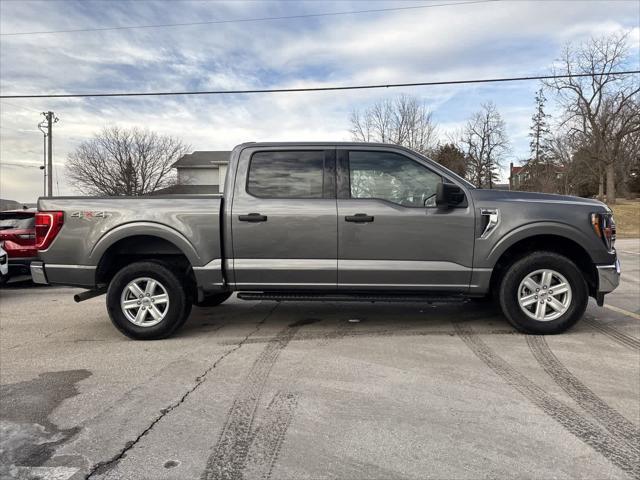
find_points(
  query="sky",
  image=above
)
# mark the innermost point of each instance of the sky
(482, 40)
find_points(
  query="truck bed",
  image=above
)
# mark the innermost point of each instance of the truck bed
(93, 225)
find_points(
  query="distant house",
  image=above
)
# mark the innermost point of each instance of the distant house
(517, 176)
(199, 172)
(527, 177)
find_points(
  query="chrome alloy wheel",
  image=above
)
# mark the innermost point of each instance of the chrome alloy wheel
(544, 295)
(144, 302)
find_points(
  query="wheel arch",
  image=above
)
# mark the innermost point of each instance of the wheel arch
(136, 242)
(150, 229)
(550, 242)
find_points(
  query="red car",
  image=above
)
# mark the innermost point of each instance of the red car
(18, 233)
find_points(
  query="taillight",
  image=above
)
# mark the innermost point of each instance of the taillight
(605, 228)
(48, 224)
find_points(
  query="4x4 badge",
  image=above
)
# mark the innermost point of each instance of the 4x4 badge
(89, 214)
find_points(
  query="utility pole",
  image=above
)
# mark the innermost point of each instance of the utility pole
(49, 120)
(49, 116)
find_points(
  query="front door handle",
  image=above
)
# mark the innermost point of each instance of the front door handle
(253, 217)
(359, 218)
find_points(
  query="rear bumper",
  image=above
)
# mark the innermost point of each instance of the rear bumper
(608, 277)
(37, 273)
(20, 265)
(72, 275)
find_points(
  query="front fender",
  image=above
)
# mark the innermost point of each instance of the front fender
(492, 254)
(144, 228)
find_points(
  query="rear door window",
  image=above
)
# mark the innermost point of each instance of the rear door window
(286, 174)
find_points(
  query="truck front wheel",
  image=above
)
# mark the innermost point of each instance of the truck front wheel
(147, 301)
(543, 293)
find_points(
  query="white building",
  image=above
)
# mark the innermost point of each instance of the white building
(199, 172)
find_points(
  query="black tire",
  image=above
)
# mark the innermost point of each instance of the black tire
(176, 312)
(4, 279)
(516, 273)
(213, 300)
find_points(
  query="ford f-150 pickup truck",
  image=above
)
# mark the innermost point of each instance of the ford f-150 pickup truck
(336, 221)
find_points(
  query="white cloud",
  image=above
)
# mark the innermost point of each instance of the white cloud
(472, 41)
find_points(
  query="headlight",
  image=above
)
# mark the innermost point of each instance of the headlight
(605, 228)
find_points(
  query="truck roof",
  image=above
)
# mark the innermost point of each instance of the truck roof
(323, 143)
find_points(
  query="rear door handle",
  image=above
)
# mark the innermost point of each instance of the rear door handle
(253, 217)
(359, 218)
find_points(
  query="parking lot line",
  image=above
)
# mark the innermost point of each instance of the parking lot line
(623, 311)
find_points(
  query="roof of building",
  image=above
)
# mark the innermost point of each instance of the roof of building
(188, 190)
(202, 159)
(515, 170)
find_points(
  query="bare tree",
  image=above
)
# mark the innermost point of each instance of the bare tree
(601, 108)
(628, 169)
(403, 121)
(484, 142)
(560, 154)
(120, 161)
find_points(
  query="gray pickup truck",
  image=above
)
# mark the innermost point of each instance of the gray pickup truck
(330, 221)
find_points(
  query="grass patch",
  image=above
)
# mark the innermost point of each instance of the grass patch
(627, 216)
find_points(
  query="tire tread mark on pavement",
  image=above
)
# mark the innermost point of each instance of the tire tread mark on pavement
(609, 418)
(616, 451)
(229, 456)
(614, 334)
(106, 465)
(269, 436)
(348, 331)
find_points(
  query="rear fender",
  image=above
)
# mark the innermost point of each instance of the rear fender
(144, 228)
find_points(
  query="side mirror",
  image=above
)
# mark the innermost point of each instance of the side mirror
(449, 195)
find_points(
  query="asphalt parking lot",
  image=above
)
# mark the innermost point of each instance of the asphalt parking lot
(301, 390)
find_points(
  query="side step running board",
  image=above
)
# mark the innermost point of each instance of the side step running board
(353, 297)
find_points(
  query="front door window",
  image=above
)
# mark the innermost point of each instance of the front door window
(391, 177)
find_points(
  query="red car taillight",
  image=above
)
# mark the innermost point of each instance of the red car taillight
(605, 227)
(48, 224)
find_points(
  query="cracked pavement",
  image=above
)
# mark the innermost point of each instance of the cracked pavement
(296, 390)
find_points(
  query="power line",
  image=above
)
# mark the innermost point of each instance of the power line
(312, 89)
(245, 20)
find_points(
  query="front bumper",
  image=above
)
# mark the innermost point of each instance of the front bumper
(608, 277)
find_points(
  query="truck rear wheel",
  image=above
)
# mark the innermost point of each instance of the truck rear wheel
(147, 301)
(543, 293)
